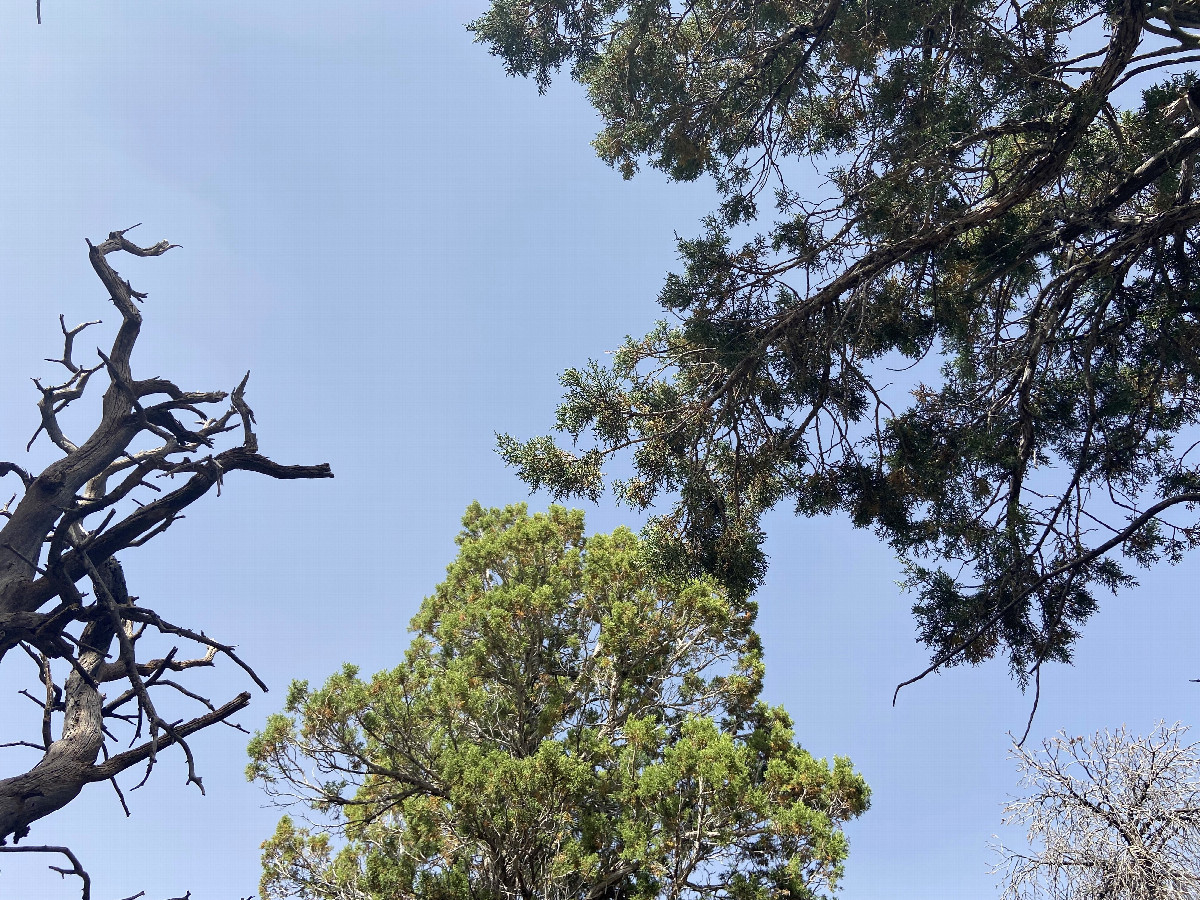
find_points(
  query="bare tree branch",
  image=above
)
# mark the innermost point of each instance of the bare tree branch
(69, 524)
(1113, 815)
(76, 865)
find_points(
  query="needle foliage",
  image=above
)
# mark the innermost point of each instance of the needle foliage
(950, 291)
(565, 724)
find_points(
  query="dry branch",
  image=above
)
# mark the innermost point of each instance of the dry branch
(63, 595)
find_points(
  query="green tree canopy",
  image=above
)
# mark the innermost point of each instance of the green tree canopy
(970, 321)
(564, 725)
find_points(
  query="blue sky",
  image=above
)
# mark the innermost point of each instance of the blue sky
(406, 247)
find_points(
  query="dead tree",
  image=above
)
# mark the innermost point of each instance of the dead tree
(1112, 816)
(64, 601)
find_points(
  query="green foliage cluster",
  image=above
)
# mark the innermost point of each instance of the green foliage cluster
(565, 724)
(971, 321)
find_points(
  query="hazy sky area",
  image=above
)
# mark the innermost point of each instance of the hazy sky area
(406, 247)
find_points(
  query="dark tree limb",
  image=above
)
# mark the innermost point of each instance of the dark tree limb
(69, 525)
(76, 866)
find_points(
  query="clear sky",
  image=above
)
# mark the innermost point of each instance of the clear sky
(406, 247)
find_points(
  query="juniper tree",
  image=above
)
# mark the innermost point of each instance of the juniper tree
(565, 724)
(950, 290)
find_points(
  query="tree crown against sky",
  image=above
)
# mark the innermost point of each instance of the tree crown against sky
(565, 724)
(968, 318)
(1112, 815)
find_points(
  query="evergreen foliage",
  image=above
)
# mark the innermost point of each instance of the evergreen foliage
(971, 321)
(564, 725)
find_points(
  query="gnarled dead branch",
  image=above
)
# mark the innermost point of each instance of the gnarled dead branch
(63, 595)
